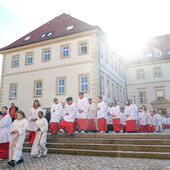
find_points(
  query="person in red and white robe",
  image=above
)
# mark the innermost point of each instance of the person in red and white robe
(152, 122)
(116, 114)
(128, 112)
(82, 113)
(91, 126)
(148, 119)
(109, 118)
(56, 110)
(32, 118)
(142, 120)
(102, 116)
(5, 127)
(67, 124)
(168, 122)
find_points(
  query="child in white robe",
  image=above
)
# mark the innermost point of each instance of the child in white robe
(18, 134)
(39, 146)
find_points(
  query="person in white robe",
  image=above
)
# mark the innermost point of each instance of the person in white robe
(135, 114)
(56, 110)
(102, 111)
(115, 112)
(156, 121)
(122, 119)
(67, 123)
(39, 146)
(110, 118)
(142, 120)
(18, 134)
(91, 126)
(32, 118)
(82, 113)
(5, 127)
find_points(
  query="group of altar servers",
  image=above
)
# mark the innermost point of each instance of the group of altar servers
(80, 118)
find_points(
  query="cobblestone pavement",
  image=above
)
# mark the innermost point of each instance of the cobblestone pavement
(71, 162)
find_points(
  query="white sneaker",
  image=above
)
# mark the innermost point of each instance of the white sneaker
(39, 155)
(76, 132)
(45, 153)
(82, 131)
(102, 132)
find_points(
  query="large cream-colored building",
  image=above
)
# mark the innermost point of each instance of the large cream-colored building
(148, 77)
(60, 59)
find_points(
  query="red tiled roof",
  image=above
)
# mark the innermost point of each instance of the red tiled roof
(58, 25)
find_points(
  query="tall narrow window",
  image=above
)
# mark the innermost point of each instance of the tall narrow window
(38, 88)
(61, 86)
(15, 61)
(117, 90)
(46, 55)
(13, 91)
(84, 83)
(142, 97)
(140, 74)
(102, 85)
(157, 71)
(113, 91)
(108, 88)
(65, 52)
(29, 58)
(83, 48)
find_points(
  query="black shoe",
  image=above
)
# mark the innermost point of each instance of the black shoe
(20, 161)
(12, 163)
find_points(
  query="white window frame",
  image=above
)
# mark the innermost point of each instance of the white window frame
(84, 84)
(140, 74)
(83, 46)
(157, 71)
(15, 59)
(46, 55)
(65, 50)
(28, 56)
(38, 90)
(13, 91)
(59, 86)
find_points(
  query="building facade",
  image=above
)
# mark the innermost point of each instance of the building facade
(147, 75)
(59, 59)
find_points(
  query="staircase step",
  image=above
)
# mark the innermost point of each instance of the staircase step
(122, 147)
(118, 153)
(109, 141)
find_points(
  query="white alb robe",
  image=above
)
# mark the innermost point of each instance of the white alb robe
(5, 127)
(135, 111)
(33, 114)
(17, 140)
(56, 110)
(109, 116)
(71, 109)
(92, 111)
(39, 145)
(102, 110)
(83, 105)
(148, 118)
(122, 119)
(129, 111)
(142, 118)
(115, 112)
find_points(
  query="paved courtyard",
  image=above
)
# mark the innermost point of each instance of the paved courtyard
(66, 162)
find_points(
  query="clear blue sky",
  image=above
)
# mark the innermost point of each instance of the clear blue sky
(127, 23)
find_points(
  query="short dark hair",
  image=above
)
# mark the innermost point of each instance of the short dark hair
(128, 103)
(13, 103)
(41, 113)
(5, 107)
(37, 102)
(55, 99)
(22, 113)
(81, 93)
(90, 99)
(100, 97)
(144, 107)
(69, 99)
(154, 111)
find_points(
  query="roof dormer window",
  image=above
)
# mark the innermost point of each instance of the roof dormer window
(158, 53)
(43, 35)
(70, 27)
(49, 33)
(27, 38)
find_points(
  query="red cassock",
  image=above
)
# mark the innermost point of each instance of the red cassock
(54, 127)
(153, 128)
(4, 150)
(91, 124)
(81, 123)
(68, 126)
(163, 125)
(31, 135)
(130, 125)
(102, 124)
(142, 128)
(116, 125)
(148, 128)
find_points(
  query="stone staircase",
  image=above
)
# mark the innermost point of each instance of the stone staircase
(155, 146)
